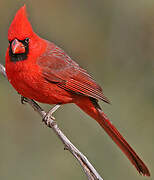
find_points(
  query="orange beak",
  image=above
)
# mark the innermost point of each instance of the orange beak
(17, 47)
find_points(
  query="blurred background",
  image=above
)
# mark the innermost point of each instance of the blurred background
(114, 41)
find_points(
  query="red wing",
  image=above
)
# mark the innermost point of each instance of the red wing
(58, 67)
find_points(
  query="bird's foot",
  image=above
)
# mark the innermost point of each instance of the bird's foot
(48, 118)
(23, 100)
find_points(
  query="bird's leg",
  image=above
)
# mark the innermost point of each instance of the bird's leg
(48, 118)
(23, 100)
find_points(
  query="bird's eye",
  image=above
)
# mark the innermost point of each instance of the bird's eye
(26, 40)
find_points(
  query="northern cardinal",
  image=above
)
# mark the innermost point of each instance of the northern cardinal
(40, 70)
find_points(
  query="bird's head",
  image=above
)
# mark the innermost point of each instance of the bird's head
(21, 36)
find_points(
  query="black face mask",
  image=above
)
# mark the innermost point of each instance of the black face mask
(20, 56)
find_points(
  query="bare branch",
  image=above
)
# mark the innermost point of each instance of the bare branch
(2, 70)
(85, 164)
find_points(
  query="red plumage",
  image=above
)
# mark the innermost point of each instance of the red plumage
(20, 26)
(45, 73)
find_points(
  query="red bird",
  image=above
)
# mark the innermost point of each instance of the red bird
(40, 70)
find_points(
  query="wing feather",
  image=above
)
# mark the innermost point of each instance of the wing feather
(58, 67)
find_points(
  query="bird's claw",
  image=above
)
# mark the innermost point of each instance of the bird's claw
(23, 100)
(49, 120)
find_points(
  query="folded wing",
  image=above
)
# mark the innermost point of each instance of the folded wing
(57, 67)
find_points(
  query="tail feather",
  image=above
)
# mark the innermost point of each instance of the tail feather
(93, 110)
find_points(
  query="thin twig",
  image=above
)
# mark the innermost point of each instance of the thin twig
(2, 70)
(89, 170)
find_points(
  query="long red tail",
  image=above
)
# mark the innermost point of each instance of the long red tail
(91, 108)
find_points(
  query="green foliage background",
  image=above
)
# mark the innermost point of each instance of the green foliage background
(114, 40)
